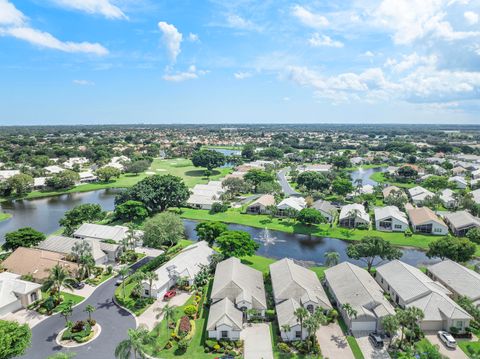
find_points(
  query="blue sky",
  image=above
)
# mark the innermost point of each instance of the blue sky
(239, 61)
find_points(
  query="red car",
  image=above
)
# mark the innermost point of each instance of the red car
(169, 294)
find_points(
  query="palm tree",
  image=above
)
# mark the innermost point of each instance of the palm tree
(90, 309)
(134, 345)
(151, 277)
(301, 314)
(331, 258)
(87, 264)
(123, 272)
(349, 310)
(286, 328)
(167, 311)
(59, 277)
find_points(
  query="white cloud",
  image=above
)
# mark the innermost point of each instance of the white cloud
(191, 74)
(410, 61)
(318, 40)
(237, 22)
(9, 15)
(83, 82)
(193, 37)
(309, 18)
(172, 39)
(368, 54)
(242, 75)
(471, 17)
(102, 7)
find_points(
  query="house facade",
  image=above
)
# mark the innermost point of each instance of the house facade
(390, 219)
(353, 215)
(328, 210)
(461, 222)
(260, 205)
(16, 293)
(424, 220)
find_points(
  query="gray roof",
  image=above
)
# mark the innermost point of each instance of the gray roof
(11, 286)
(462, 280)
(224, 312)
(286, 312)
(100, 231)
(355, 286)
(418, 290)
(290, 280)
(349, 209)
(382, 213)
(64, 245)
(324, 206)
(238, 281)
(462, 219)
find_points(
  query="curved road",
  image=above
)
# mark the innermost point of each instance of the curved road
(114, 321)
(286, 188)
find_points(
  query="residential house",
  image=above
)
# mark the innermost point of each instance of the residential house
(16, 294)
(290, 203)
(461, 222)
(424, 220)
(460, 280)
(101, 232)
(390, 219)
(321, 168)
(447, 198)
(353, 215)
(205, 195)
(6, 174)
(410, 287)
(87, 177)
(54, 169)
(460, 182)
(37, 263)
(387, 191)
(39, 183)
(261, 204)
(354, 286)
(419, 194)
(476, 174)
(476, 195)
(327, 209)
(457, 171)
(293, 287)
(185, 264)
(225, 321)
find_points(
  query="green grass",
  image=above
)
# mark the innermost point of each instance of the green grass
(323, 230)
(352, 342)
(137, 306)
(67, 298)
(100, 279)
(351, 169)
(380, 178)
(4, 216)
(465, 345)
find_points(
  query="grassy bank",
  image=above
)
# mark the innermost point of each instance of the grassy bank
(262, 221)
(380, 178)
(4, 216)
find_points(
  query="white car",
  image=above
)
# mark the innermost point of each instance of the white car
(447, 339)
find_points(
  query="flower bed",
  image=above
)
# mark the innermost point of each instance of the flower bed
(234, 348)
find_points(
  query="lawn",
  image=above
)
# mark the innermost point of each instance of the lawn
(323, 230)
(352, 342)
(465, 345)
(67, 297)
(137, 306)
(277, 354)
(380, 178)
(4, 216)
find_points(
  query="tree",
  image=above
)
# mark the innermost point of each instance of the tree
(23, 237)
(167, 312)
(301, 314)
(157, 193)
(165, 229)
(256, 176)
(87, 212)
(90, 309)
(208, 159)
(313, 181)
(342, 186)
(408, 319)
(235, 186)
(134, 345)
(105, 174)
(435, 183)
(331, 258)
(340, 161)
(248, 151)
(370, 248)
(237, 244)
(15, 338)
(63, 180)
(456, 249)
(286, 328)
(312, 323)
(137, 167)
(151, 277)
(131, 211)
(407, 172)
(58, 278)
(123, 272)
(390, 326)
(67, 311)
(473, 235)
(82, 253)
(210, 231)
(272, 153)
(349, 310)
(310, 216)
(20, 184)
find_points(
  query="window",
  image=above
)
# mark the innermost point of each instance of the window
(224, 334)
(33, 297)
(310, 308)
(147, 292)
(459, 324)
(298, 334)
(398, 226)
(437, 230)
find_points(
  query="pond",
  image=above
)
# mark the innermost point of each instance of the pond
(43, 215)
(364, 175)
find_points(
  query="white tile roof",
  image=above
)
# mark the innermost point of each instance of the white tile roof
(224, 313)
(382, 213)
(11, 285)
(347, 210)
(102, 232)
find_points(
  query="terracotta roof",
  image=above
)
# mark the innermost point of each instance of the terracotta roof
(423, 214)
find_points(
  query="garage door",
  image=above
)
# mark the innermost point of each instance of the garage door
(358, 326)
(430, 326)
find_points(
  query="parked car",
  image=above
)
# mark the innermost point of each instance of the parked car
(78, 285)
(170, 294)
(376, 340)
(447, 339)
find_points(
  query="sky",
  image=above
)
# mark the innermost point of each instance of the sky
(239, 61)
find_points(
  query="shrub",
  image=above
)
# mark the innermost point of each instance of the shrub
(216, 347)
(190, 310)
(210, 343)
(283, 347)
(218, 207)
(78, 326)
(183, 345)
(154, 263)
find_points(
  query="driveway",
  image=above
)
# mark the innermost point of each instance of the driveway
(286, 188)
(450, 353)
(114, 321)
(368, 351)
(149, 317)
(333, 342)
(257, 341)
(25, 316)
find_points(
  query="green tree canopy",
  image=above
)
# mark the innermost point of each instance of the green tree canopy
(456, 249)
(15, 339)
(131, 211)
(310, 216)
(105, 174)
(313, 181)
(237, 244)
(208, 159)
(210, 231)
(137, 167)
(87, 212)
(63, 180)
(165, 229)
(23, 237)
(371, 248)
(256, 176)
(342, 186)
(19, 184)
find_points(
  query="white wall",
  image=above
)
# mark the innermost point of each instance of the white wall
(217, 334)
(290, 336)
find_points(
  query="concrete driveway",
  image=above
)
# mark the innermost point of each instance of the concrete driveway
(333, 342)
(257, 341)
(450, 353)
(25, 316)
(149, 317)
(368, 351)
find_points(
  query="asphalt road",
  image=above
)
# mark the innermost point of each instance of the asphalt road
(286, 188)
(114, 321)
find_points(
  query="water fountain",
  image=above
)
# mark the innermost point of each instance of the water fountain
(267, 238)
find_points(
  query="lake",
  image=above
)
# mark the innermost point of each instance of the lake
(364, 175)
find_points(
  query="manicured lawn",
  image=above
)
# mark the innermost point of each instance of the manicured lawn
(4, 216)
(465, 345)
(100, 279)
(323, 230)
(137, 306)
(352, 342)
(277, 354)
(67, 298)
(380, 178)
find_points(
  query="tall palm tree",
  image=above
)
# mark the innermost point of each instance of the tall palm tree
(151, 277)
(123, 272)
(331, 258)
(87, 265)
(134, 345)
(167, 311)
(286, 328)
(90, 309)
(59, 277)
(301, 314)
(351, 312)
